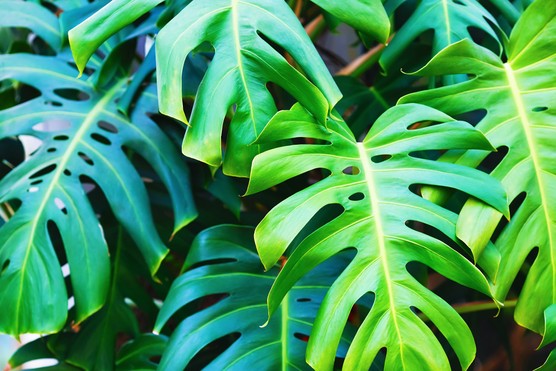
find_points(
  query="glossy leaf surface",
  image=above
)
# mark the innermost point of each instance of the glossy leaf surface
(371, 180)
(518, 97)
(244, 62)
(450, 20)
(82, 141)
(224, 271)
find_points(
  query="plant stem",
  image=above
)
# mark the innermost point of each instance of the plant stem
(477, 306)
(315, 28)
(362, 63)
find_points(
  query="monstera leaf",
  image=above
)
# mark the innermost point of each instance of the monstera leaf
(450, 20)
(223, 264)
(83, 140)
(244, 62)
(518, 97)
(371, 180)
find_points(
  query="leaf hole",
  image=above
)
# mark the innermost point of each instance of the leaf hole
(429, 154)
(351, 170)
(514, 207)
(540, 109)
(61, 137)
(85, 158)
(67, 172)
(380, 158)
(423, 124)
(106, 126)
(357, 196)
(52, 125)
(86, 70)
(303, 300)
(361, 308)
(33, 189)
(44, 171)
(471, 117)
(88, 184)
(61, 205)
(36, 182)
(71, 94)
(483, 38)
(52, 103)
(51, 150)
(30, 144)
(5, 266)
(208, 354)
(304, 338)
(101, 139)
(15, 92)
(493, 159)
(438, 235)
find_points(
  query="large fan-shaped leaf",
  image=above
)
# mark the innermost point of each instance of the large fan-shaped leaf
(371, 181)
(243, 64)
(82, 135)
(450, 20)
(223, 262)
(518, 97)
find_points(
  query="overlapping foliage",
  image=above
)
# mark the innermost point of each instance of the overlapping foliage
(359, 206)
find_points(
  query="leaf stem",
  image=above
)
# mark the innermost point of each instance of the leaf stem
(315, 28)
(476, 306)
(363, 62)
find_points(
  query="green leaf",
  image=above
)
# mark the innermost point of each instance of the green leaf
(137, 353)
(223, 262)
(243, 63)
(518, 97)
(549, 337)
(366, 16)
(371, 180)
(449, 19)
(82, 135)
(86, 38)
(35, 17)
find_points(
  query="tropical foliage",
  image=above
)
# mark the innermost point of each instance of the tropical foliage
(389, 211)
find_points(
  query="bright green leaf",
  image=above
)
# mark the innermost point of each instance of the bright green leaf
(518, 97)
(449, 19)
(243, 63)
(371, 180)
(86, 38)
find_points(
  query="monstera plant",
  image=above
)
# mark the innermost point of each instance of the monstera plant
(187, 184)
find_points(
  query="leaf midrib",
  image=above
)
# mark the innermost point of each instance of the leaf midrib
(238, 48)
(368, 172)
